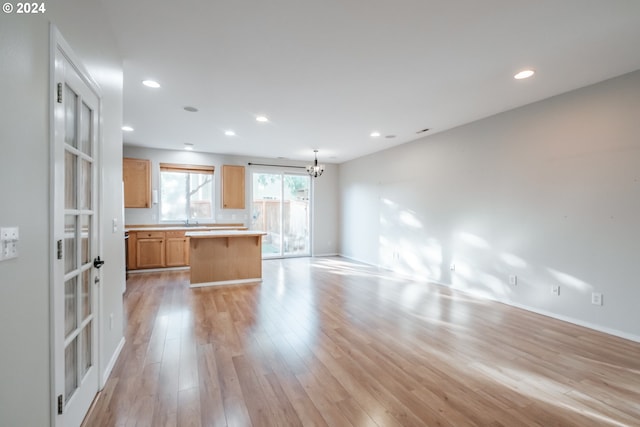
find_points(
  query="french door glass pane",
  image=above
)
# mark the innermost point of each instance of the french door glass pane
(70, 243)
(267, 189)
(85, 352)
(86, 182)
(69, 180)
(70, 306)
(85, 131)
(296, 214)
(85, 235)
(70, 368)
(70, 116)
(86, 294)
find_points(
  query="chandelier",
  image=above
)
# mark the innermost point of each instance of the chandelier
(315, 170)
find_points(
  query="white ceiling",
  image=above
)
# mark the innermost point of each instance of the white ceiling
(329, 72)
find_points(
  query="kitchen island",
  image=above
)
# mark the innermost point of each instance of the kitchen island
(224, 257)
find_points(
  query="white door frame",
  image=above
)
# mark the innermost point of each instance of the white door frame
(58, 43)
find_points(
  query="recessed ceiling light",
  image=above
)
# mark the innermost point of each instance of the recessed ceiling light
(127, 128)
(151, 83)
(262, 119)
(524, 74)
(190, 109)
(375, 134)
(229, 132)
(188, 146)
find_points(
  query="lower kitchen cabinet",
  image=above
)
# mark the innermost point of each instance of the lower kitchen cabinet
(176, 249)
(150, 249)
(157, 249)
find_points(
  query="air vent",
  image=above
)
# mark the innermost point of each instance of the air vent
(389, 136)
(423, 131)
(190, 109)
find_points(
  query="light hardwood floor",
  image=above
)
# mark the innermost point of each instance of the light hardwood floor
(324, 341)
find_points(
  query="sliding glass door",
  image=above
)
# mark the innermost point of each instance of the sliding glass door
(281, 209)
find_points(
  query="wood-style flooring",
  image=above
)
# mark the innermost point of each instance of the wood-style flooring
(328, 342)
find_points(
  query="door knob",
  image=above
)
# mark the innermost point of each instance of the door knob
(97, 263)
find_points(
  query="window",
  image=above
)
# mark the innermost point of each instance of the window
(186, 192)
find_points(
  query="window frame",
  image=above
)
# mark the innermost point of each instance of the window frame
(187, 168)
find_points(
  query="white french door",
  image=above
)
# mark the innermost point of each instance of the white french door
(281, 208)
(75, 240)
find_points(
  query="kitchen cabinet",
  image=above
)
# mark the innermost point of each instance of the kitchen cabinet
(153, 247)
(176, 249)
(157, 249)
(225, 257)
(136, 174)
(233, 187)
(150, 249)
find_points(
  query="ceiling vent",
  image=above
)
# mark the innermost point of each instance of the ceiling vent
(423, 131)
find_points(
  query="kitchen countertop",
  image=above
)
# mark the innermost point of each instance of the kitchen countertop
(223, 233)
(184, 227)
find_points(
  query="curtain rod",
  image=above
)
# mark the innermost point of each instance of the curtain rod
(278, 166)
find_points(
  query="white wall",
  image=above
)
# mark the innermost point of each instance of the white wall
(549, 192)
(325, 212)
(25, 398)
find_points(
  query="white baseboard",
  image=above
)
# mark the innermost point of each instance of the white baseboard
(255, 280)
(589, 325)
(157, 270)
(112, 362)
(324, 255)
(578, 322)
(359, 261)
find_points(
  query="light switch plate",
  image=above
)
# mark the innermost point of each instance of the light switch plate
(9, 237)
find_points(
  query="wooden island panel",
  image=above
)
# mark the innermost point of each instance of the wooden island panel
(221, 258)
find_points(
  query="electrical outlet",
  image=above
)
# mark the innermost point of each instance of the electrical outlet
(452, 267)
(555, 289)
(513, 279)
(596, 298)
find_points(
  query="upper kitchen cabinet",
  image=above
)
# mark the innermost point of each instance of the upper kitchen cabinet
(232, 187)
(136, 174)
